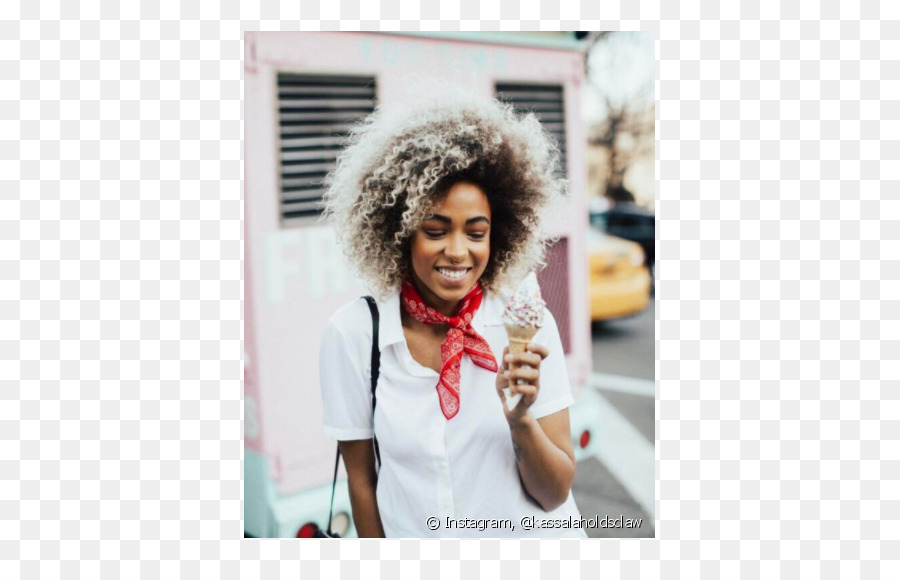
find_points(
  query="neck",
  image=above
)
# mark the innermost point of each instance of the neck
(445, 308)
(411, 323)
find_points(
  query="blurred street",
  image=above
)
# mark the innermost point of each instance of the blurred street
(626, 347)
(619, 480)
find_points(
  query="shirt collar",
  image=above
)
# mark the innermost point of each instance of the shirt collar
(390, 328)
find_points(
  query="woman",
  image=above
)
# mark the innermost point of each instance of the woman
(439, 208)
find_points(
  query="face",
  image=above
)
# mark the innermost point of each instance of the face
(449, 251)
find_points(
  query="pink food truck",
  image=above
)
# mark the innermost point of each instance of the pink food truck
(302, 92)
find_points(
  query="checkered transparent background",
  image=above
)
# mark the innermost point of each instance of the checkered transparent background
(120, 293)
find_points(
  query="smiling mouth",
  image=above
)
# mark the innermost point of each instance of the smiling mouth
(453, 274)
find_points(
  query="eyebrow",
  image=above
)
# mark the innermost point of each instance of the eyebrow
(448, 221)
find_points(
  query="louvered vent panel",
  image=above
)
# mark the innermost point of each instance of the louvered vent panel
(546, 102)
(554, 283)
(315, 114)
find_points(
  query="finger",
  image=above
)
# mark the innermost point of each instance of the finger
(525, 374)
(528, 390)
(501, 389)
(524, 359)
(538, 349)
(532, 359)
(502, 379)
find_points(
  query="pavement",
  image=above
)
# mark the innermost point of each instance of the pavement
(618, 482)
(627, 347)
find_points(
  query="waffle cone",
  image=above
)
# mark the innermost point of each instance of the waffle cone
(519, 339)
(521, 333)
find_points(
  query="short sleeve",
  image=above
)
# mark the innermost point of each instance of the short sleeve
(556, 392)
(346, 388)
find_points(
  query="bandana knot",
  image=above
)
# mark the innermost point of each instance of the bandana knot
(461, 338)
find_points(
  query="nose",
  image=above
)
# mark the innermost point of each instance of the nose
(456, 248)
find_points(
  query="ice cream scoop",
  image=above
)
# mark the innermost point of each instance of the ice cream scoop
(525, 308)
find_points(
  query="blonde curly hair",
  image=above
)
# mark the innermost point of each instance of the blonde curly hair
(399, 165)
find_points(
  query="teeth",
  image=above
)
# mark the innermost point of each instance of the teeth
(453, 274)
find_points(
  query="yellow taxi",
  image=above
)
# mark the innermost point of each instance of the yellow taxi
(619, 282)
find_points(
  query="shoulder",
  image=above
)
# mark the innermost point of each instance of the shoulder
(350, 314)
(493, 305)
(351, 323)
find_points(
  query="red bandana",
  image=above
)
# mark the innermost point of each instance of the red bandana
(460, 338)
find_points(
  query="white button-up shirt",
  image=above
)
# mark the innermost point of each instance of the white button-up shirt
(464, 468)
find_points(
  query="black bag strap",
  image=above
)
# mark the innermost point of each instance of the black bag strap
(376, 366)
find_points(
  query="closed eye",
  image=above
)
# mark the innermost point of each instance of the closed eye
(435, 234)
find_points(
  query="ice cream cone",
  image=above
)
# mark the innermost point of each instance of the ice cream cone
(519, 339)
(523, 317)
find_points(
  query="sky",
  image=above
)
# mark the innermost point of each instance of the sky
(618, 67)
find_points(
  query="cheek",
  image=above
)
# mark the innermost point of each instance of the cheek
(484, 254)
(422, 254)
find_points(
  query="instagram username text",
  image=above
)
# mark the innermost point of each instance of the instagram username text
(532, 523)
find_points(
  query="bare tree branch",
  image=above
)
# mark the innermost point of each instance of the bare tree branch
(628, 130)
